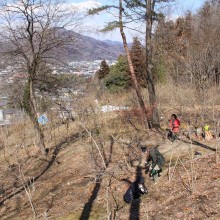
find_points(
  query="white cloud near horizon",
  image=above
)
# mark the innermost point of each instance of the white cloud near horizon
(85, 5)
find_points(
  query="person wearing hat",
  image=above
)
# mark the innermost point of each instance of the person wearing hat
(154, 162)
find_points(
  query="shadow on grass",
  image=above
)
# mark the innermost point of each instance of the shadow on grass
(135, 204)
(198, 144)
(51, 161)
(88, 206)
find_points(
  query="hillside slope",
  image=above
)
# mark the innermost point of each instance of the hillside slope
(72, 183)
(89, 49)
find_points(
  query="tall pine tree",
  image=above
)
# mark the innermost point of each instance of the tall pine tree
(138, 60)
(103, 71)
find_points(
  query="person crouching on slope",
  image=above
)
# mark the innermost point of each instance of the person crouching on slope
(136, 189)
(154, 162)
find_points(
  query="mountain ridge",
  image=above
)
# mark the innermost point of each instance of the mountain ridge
(89, 49)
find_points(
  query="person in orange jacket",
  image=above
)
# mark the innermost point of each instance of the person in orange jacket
(174, 128)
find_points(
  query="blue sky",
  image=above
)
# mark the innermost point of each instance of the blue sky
(178, 8)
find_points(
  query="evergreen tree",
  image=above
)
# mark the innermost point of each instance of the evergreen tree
(138, 60)
(143, 11)
(119, 77)
(103, 71)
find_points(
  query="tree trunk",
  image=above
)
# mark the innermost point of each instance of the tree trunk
(131, 67)
(150, 81)
(34, 117)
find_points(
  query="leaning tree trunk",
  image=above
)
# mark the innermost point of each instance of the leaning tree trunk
(34, 119)
(150, 81)
(131, 67)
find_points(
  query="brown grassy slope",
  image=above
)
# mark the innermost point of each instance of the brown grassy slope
(178, 199)
(66, 183)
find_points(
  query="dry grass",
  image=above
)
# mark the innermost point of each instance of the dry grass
(68, 179)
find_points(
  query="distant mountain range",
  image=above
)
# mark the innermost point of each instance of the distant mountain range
(84, 48)
(90, 49)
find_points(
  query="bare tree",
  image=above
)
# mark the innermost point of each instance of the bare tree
(33, 39)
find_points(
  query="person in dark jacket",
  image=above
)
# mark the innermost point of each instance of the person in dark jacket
(135, 190)
(154, 162)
